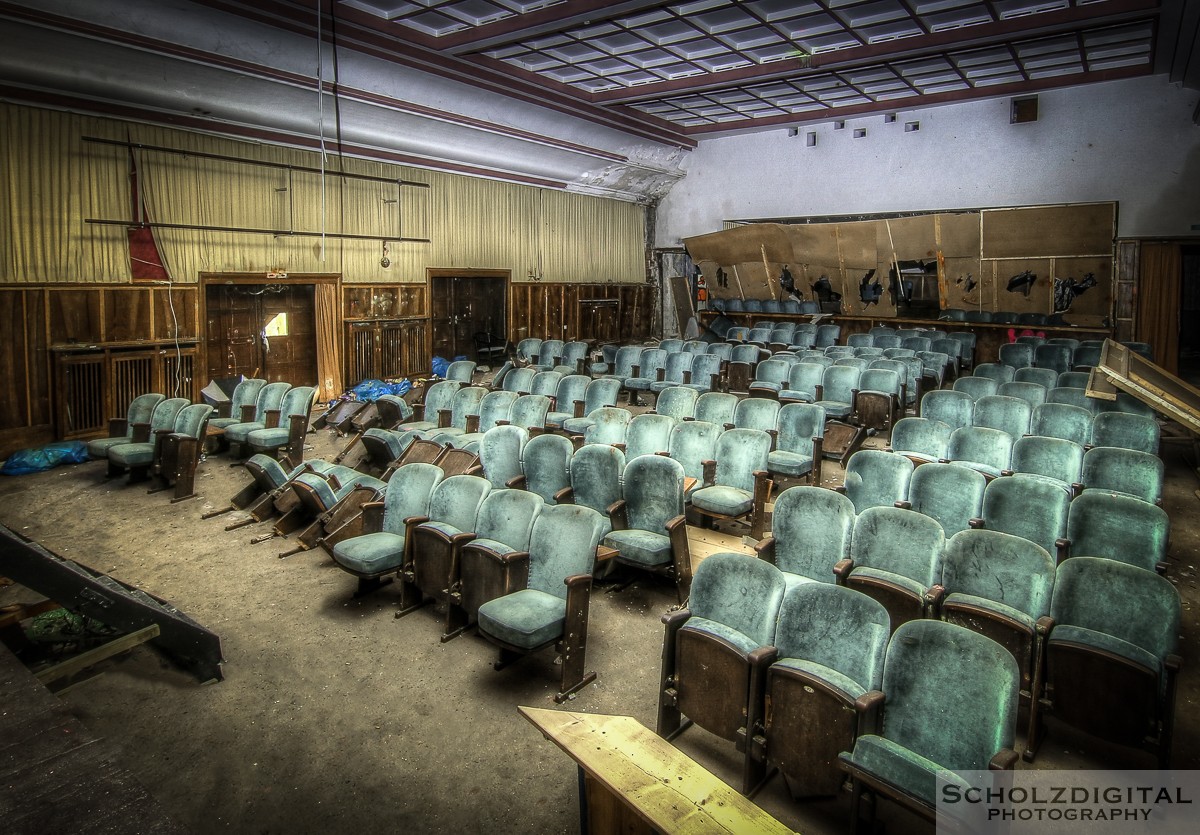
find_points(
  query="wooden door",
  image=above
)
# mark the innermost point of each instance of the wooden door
(462, 306)
(288, 335)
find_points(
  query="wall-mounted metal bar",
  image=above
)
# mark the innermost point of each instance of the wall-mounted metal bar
(245, 161)
(279, 233)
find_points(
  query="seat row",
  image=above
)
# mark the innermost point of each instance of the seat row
(803, 676)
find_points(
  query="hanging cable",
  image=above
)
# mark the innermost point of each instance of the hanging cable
(321, 117)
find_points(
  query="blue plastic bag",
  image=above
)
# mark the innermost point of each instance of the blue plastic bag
(25, 461)
(371, 390)
(440, 366)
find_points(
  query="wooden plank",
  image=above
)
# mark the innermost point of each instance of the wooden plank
(81, 662)
(667, 789)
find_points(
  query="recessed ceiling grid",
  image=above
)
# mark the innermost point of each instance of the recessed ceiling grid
(950, 72)
(438, 18)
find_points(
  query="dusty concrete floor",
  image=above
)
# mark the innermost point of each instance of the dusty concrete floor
(336, 717)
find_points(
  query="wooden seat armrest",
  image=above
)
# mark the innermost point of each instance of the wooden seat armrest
(933, 599)
(636, 371)
(1063, 547)
(509, 559)
(840, 488)
(976, 523)
(272, 419)
(765, 549)
(443, 418)
(472, 424)
(676, 618)
(620, 446)
(1172, 662)
(618, 514)
(1006, 473)
(762, 657)
(710, 471)
(869, 706)
(577, 408)
(1044, 625)
(728, 426)
(117, 427)
(372, 516)
(248, 411)
(476, 470)
(140, 434)
(903, 504)
(516, 482)
(842, 569)
(1004, 760)
(565, 496)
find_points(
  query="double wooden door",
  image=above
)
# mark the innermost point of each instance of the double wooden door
(262, 330)
(463, 306)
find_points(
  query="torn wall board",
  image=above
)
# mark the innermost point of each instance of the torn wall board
(1081, 229)
(741, 244)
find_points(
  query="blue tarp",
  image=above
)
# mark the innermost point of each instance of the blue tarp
(370, 390)
(25, 461)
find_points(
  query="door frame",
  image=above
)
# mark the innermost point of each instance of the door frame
(449, 272)
(240, 278)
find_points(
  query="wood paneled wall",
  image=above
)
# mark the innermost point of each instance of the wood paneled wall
(554, 310)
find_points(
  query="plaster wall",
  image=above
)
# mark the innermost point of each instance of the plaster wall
(1133, 141)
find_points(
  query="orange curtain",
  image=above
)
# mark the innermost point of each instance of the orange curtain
(329, 340)
(1158, 301)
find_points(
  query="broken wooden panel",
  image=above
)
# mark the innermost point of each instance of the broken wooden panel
(1047, 231)
(1082, 290)
(1022, 285)
(1125, 370)
(742, 244)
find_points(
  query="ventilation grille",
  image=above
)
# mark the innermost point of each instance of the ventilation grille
(81, 407)
(381, 350)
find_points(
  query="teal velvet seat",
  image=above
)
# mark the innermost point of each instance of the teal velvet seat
(949, 704)
(1073, 397)
(500, 453)
(736, 480)
(574, 357)
(1028, 508)
(1031, 393)
(896, 558)
(691, 444)
(545, 466)
(438, 400)
(569, 392)
(466, 406)
(677, 402)
(176, 455)
(1008, 414)
(604, 363)
(901, 369)
(548, 354)
(648, 530)
(770, 376)
(528, 348)
(138, 457)
(861, 363)
(552, 608)
(622, 365)
(956, 409)
(1050, 460)
(292, 424)
(803, 379)
(839, 384)
(382, 547)
(1126, 431)
(1111, 664)
(705, 373)
(1126, 403)
(721, 350)
(320, 491)
(609, 426)
(966, 341)
(875, 478)
(879, 398)
(1086, 357)
(988, 451)
(648, 434)
(650, 364)
(503, 527)
(797, 452)
(860, 340)
(599, 394)
(756, 413)
(976, 387)
(1120, 528)
(830, 643)
(518, 380)
(595, 472)
(950, 495)
(1047, 378)
(1055, 357)
(434, 542)
(827, 335)
(995, 371)
(529, 412)
(1125, 471)
(545, 383)
(716, 407)
(936, 366)
(717, 650)
(478, 415)
(1062, 420)
(676, 371)
(269, 400)
(121, 431)
(921, 439)
(811, 529)
(740, 369)
(1000, 586)
(1016, 355)
(245, 394)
